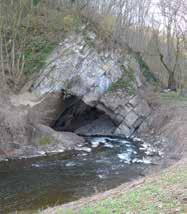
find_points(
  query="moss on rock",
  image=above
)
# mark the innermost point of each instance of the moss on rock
(45, 140)
(127, 82)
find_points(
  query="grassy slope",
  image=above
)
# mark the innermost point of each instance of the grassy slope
(161, 194)
(173, 98)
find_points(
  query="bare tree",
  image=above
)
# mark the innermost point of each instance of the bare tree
(172, 27)
(12, 40)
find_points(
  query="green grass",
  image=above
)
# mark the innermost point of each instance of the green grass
(36, 53)
(173, 98)
(161, 195)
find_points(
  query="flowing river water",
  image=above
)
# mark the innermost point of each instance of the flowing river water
(103, 163)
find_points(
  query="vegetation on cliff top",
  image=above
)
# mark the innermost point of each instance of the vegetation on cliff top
(29, 33)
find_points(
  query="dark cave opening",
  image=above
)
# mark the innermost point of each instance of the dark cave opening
(81, 118)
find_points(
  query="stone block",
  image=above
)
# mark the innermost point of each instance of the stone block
(119, 118)
(138, 122)
(123, 129)
(131, 118)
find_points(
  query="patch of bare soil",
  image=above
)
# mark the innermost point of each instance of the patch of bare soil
(170, 122)
(14, 127)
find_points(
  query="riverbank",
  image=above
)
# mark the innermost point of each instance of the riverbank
(161, 192)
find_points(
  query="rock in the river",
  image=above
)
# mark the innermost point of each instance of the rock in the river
(47, 139)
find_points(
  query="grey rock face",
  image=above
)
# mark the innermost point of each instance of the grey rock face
(131, 118)
(128, 112)
(78, 69)
(123, 129)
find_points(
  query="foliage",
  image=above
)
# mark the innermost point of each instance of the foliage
(88, 40)
(149, 76)
(36, 53)
(36, 2)
(107, 25)
(127, 82)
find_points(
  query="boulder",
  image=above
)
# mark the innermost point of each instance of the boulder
(49, 140)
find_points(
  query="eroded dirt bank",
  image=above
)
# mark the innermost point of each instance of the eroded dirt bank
(170, 121)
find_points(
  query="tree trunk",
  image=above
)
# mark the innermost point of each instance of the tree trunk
(172, 82)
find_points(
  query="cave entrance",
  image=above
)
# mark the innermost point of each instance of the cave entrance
(83, 119)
